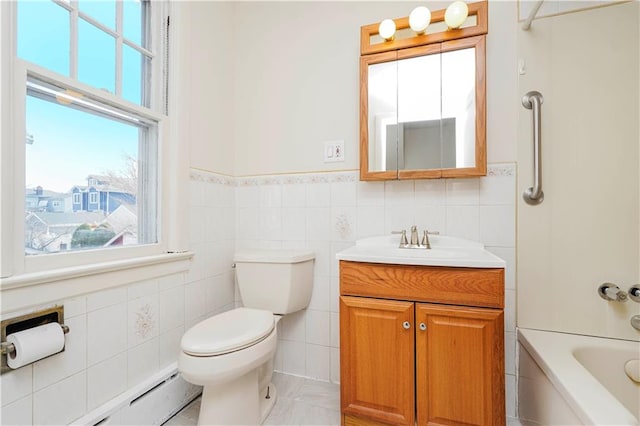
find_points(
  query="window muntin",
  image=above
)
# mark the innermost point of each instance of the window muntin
(108, 147)
(102, 10)
(77, 38)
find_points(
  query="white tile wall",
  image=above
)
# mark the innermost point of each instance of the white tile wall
(106, 332)
(16, 384)
(18, 412)
(61, 402)
(106, 380)
(73, 360)
(338, 209)
(122, 335)
(142, 361)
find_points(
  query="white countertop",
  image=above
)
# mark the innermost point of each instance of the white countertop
(445, 251)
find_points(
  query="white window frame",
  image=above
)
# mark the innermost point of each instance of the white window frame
(77, 198)
(18, 270)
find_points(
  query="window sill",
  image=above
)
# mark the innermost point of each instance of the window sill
(36, 287)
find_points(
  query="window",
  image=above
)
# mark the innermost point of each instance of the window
(87, 95)
(91, 123)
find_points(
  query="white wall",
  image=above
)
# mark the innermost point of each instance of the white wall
(259, 86)
(586, 230)
(297, 81)
(207, 78)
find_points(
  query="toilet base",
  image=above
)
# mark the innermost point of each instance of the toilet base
(266, 404)
(231, 403)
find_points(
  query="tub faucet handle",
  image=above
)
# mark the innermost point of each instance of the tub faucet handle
(611, 292)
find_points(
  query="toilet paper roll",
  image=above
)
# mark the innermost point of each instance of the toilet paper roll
(34, 344)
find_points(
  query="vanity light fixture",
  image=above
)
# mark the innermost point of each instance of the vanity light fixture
(456, 14)
(387, 29)
(419, 19)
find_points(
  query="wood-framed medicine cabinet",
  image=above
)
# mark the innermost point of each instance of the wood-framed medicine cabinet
(423, 100)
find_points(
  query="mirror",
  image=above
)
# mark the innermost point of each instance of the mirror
(422, 111)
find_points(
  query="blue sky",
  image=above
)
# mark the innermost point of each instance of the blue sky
(69, 144)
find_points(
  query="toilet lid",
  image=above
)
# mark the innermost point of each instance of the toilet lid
(227, 332)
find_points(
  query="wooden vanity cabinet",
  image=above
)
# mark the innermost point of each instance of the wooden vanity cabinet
(434, 357)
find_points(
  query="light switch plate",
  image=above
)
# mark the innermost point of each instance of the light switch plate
(333, 151)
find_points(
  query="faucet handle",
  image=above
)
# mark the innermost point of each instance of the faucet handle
(425, 240)
(403, 239)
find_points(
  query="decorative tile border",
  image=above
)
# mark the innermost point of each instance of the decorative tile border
(328, 177)
(208, 177)
(498, 169)
(501, 169)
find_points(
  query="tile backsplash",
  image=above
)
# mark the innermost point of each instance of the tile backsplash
(123, 335)
(327, 212)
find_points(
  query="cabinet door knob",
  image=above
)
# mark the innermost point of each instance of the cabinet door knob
(406, 325)
(423, 326)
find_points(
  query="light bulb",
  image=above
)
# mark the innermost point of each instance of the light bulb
(419, 19)
(456, 14)
(387, 29)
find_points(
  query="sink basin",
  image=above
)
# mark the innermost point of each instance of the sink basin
(445, 251)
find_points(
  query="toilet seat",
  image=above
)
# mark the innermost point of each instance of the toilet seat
(228, 332)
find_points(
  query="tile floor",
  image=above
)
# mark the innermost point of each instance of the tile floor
(300, 402)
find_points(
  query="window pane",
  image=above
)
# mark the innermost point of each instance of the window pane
(132, 21)
(103, 11)
(43, 35)
(96, 57)
(83, 184)
(132, 75)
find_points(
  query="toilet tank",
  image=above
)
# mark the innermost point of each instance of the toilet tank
(280, 281)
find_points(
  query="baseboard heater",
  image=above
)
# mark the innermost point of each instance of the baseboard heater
(152, 402)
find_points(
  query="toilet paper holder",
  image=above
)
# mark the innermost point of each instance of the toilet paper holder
(7, 348)
(24, 322)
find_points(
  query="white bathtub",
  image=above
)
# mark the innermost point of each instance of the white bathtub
(568, 379)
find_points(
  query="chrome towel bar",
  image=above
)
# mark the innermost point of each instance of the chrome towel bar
(533, 101)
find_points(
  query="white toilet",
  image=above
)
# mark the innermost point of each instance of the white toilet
(231, 354)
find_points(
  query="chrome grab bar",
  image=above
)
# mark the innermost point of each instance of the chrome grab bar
(534, 195)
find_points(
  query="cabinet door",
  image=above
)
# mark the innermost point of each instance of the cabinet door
(377, 359)
(459, 365)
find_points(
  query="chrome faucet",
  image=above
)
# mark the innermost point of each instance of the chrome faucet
(414, 241)
(414, 236)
